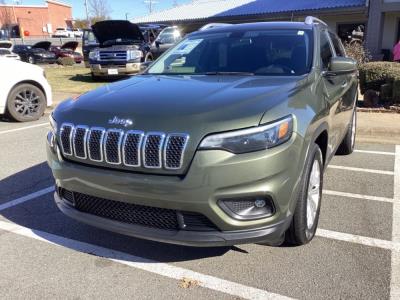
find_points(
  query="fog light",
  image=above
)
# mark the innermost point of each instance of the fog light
(248, 208)
(260, 203)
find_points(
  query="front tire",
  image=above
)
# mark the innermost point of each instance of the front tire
(306, 216)
(25, 103)
(349, 141)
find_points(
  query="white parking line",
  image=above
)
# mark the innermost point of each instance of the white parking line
(26, 198)
(358, 239)
(395, 278)
(375, 152)
(361, 170)
(357, 196)
(24, 128)
(206, 281)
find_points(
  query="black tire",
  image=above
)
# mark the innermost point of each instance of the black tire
(25, 103)
(31, 60)
(348, 143)
(299, 232)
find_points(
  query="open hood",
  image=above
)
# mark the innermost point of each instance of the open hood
(6, 44)
(112, 30)
(70, 46)
(42, 45)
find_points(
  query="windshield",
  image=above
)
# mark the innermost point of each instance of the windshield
(265, 52)
(169, 36)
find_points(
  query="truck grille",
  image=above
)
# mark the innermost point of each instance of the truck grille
(133, 149)
(154, 217)
(113, 55)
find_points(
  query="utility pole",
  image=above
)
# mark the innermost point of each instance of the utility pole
(87, 14)
(126, 16)
(150, 3)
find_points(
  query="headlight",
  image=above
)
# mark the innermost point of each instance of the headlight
(51, 135)
(252, 139)
(53, 124)
(134, 54)
(94, 55)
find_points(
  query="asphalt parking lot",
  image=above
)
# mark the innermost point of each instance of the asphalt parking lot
(44, 254)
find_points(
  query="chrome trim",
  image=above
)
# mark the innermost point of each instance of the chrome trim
(139, 147)
(103, 131)
(70, 138)
(186, 136)
(121, 134)
(83, 141)
(154, 133)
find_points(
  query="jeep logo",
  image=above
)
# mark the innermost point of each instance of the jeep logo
(120, 121)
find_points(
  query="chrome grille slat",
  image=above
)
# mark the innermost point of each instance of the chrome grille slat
(66, 131)
(124, 149)
(152, 156)
(131, 148)
(174, 151)
(112, 146)
(79, 141)
(95, 143)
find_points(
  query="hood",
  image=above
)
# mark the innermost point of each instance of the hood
(6, 44)
(112, 30)
(70, 46)
(42, 45)
(194, 105)
(201, 104)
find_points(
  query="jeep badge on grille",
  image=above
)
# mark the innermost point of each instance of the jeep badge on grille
(120, 121)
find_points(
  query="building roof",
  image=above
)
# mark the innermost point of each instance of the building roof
(288, 6)
(197, 9)
(203, 9)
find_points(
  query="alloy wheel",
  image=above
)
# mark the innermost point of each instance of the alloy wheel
(27, 103)
(313, 194)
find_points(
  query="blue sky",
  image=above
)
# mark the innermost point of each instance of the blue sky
(135, 8)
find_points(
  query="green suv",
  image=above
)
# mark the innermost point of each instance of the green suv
(223, 140)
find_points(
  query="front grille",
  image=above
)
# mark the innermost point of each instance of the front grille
(153, 217)
(133, 149)
(113, 55)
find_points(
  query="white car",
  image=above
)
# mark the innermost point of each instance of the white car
(63, 32)
(24, 90)
(77, 32)
(6, 50)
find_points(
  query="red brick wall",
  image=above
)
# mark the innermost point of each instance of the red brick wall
(34, 18)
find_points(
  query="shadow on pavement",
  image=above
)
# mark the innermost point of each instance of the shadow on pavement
(42, 215)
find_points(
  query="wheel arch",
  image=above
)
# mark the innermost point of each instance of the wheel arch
(32, 82)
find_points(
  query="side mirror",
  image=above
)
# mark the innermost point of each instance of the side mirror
(342, 65)
(158, 43)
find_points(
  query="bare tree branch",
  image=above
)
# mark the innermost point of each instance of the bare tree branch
(99, 9)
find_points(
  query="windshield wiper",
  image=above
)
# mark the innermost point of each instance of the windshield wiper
(230, 73)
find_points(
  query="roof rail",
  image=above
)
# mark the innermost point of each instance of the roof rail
(311, 20)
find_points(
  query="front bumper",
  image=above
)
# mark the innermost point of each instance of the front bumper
(45, 60)
(119, 69)
(213, 175)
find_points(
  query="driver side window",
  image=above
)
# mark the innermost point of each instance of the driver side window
(326, 51)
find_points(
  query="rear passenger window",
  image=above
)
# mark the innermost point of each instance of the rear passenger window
(337, 45)
(326, 51)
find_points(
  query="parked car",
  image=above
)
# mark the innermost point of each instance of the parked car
(77, 32)
(6, 50)
(25, 92)
(89, 42)
(68, 50)
(167, 38)
(151, 31)
(122, 49)
(64, 32)
(38, 53)
(223, 140)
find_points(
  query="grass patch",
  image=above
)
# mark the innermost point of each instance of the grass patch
(74, 79)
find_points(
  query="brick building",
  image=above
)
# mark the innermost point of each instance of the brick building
(34, 20)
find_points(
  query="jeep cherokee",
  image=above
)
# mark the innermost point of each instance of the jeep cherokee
(223, 140)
